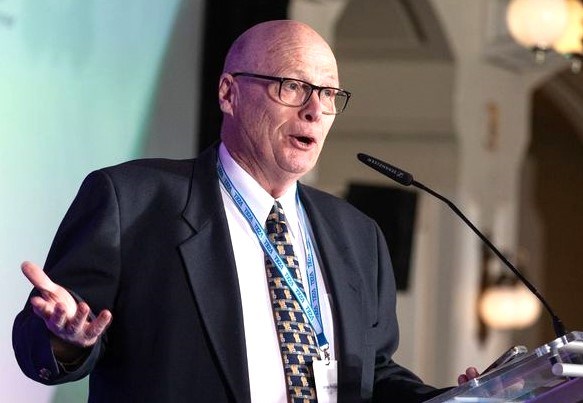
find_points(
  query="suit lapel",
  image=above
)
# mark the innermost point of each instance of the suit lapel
(209, 260)
(343, 285)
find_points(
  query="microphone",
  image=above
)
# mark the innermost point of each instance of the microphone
(406, 179)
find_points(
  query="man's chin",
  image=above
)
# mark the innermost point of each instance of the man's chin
(300, 162)
(298, 168)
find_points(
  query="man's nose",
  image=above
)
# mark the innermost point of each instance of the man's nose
(312, 110)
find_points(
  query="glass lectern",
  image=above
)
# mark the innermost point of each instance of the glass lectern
(551, 373)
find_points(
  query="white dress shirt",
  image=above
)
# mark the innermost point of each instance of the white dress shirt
(266, 376)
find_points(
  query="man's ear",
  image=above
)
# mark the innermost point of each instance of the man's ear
(226, 93)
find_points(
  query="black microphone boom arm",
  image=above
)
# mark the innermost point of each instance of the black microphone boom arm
(406, 179)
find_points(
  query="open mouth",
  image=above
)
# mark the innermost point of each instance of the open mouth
(305, 140)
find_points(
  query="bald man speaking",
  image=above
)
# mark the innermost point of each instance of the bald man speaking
(223, 278)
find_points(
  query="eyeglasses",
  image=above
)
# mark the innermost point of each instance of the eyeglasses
(294, 92)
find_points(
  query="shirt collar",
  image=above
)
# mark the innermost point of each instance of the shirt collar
(257, 198)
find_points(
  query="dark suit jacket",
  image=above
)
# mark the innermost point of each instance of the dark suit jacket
(149, 240)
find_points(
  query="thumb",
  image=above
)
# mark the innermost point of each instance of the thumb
(37, 277)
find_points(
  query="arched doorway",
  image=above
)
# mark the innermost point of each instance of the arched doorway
(552, 199)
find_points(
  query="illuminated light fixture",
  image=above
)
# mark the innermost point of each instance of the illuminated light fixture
(537, 24)
(508, 306)
(570, 44)
(542, 25)
(503, 302)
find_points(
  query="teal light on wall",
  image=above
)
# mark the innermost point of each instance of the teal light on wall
(76, 81)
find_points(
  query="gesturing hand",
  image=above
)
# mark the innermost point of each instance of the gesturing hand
(63, 316)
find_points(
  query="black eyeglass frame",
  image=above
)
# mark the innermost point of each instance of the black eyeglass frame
(313, 88)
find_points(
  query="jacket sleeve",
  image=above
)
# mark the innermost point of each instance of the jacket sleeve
(85, 259)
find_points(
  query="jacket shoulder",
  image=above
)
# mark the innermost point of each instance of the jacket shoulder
(333, 204)
(151, 168)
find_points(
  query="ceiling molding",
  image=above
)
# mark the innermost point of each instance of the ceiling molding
(390, 29)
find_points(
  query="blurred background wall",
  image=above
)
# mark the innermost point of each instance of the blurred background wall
(439, 89)
(82, 85)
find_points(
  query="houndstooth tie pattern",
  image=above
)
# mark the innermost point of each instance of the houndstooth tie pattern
(296, 337)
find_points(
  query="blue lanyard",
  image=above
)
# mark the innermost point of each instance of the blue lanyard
(313, 314)
(310, 263)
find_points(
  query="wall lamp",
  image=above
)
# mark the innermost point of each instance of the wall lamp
(504, 303)
(545, 25)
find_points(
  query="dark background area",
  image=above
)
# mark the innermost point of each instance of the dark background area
(394, 210)
(224, 22)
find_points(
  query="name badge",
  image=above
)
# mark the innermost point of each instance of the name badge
(326, 376)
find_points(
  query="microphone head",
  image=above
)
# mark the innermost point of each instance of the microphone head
(396, 174)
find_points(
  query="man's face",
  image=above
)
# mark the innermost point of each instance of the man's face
(276, 141)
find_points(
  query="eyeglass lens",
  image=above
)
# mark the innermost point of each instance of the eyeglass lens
(297, 93)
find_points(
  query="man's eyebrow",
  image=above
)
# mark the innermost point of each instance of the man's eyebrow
(329, 81)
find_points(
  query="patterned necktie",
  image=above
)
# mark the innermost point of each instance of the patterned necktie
(296, 337)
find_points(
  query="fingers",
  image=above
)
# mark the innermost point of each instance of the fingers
(98, 326)
(54, 315)
(462, 379)
(92, 330)
(80, 325)
(41, 307)
(76, 324)
(470, 373)
(59, 317)
(37, 277)
(49, 311)
(80, 329)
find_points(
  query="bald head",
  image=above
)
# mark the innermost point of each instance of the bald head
(264, 44)
(274, 141)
